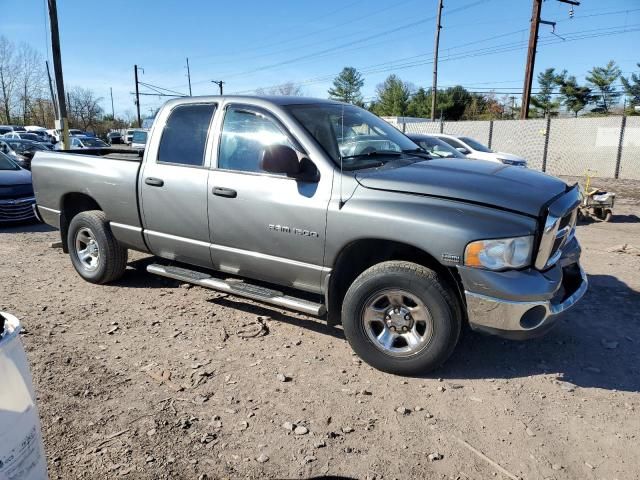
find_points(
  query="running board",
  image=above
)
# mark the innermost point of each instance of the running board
(240, 288)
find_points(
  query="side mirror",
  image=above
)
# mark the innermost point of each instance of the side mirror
(462, 150)
(280, 159)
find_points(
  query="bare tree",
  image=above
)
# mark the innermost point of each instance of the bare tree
(7, 76)
(287, 88)
(85, 110)
(30, 79)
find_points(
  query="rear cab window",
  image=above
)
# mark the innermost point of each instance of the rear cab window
(184, 138)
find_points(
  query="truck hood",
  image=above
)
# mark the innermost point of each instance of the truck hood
(476, 181)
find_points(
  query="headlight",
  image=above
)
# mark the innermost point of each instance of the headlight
(517, 163)
(499, 254)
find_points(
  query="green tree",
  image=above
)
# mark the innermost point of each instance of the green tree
(544, 100)
(420, 104)
(574, 96)
(347, 85)
(632, 88)
(602, 79)
(393, 97)
(452, 102)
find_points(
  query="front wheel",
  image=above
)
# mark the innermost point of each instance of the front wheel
(95, 253)
(401, 318)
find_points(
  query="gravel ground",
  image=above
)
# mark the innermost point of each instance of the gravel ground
(148, 378)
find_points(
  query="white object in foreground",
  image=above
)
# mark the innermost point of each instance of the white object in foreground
(22, 454)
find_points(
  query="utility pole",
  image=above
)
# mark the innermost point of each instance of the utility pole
(531, 52)
(53, 96)
(436, 43)
(57, 69)
(189, 77)
(135, 72)
(113, 112)
(219, 83)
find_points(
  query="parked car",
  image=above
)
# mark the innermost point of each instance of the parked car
(435, 147)
(22, 136)
(16, 192)
(476, 150)
(398, 246)
(22, 151)
(77, 132)
(128, 137)
(82, 141)
(139, 139)
(5, 129)
(114, 137)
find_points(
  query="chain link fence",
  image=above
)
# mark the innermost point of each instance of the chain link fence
(559, 146)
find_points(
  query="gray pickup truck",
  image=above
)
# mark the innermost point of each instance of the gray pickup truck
(323, 208)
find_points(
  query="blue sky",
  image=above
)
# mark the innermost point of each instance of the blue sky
(251, 44)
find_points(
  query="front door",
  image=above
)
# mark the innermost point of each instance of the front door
(264, 226)
(173, 186)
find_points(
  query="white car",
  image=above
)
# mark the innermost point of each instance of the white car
(139, 139)
(127, 138)
(82, 141)
(477, 151)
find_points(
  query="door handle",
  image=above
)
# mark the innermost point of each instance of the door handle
(154, 182)
(224, 192)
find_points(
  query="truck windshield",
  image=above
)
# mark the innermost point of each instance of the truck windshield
(352, 135)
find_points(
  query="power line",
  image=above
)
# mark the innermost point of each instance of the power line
(347, 44)
(307, 34)
(501, 48)
(329, 51)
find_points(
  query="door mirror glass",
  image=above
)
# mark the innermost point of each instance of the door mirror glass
(280, 159)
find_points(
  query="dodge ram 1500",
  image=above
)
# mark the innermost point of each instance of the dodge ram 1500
(324, 208)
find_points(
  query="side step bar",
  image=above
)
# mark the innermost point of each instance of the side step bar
(240, 288)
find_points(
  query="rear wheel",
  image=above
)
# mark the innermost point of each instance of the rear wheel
(401, 318)
(95, 253)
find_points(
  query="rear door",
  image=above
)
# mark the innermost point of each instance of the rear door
(173, 185)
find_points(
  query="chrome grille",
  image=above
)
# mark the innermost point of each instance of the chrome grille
(559, 229)
(16, 210)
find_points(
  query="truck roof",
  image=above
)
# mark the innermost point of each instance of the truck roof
(273, 99)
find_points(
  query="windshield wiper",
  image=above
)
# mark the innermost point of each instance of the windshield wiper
(418, 151)
(375, 153)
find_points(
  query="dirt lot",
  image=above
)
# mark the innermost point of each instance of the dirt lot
(149, 379)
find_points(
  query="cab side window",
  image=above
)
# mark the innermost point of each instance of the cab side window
(245, 134)
(184, 138)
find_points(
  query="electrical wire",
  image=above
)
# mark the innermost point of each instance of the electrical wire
(399, 64)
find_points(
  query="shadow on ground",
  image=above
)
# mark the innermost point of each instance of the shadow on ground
(595, 345)
(27, 227)
(316, 325)
(614, 219)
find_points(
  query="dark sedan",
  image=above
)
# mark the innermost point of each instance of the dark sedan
(434, 146)
(22, 151)
(114, 137)
(16, 192)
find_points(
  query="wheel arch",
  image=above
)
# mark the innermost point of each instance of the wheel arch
(359, 255)
(72, 204)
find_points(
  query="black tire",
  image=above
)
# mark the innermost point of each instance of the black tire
(421, 282)
(112, 257)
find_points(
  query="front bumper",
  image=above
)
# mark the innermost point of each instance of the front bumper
(523, 304)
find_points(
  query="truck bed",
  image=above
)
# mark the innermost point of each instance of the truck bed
(108, 176)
